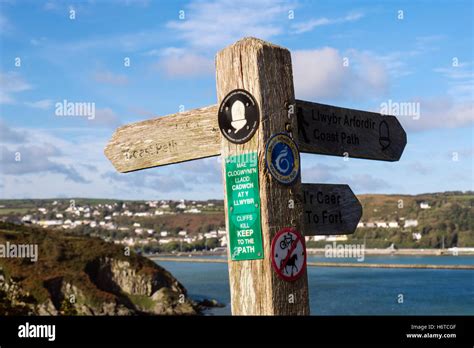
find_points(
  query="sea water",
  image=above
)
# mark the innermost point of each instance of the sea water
(356, 291)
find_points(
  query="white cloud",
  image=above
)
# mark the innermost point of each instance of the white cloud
(36, 159)
(104, 117)
(185, 65)
(303, 27)
(38, 42)
(43, 104)
(50, 5)
(440, 113)
(320, 73)
(215, 24)
(11, 82)
(460, 80)
(9, 135)
(323, 173)
(5, 24)
(111, 78)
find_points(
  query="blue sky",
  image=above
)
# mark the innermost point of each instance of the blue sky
(405, 51)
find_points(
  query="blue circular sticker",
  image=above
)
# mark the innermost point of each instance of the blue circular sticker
(282, 158)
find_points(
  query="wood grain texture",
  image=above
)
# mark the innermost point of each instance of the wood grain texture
(265, 71)
(170, 139)
(329, 209)
(344, 136)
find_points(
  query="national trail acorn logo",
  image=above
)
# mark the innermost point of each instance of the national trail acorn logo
(282, 158)
(238, 116)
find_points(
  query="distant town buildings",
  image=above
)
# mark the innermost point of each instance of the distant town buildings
(181, 205)
(424, 205)
(411, 223)
(389, 224)
(340, 238)
(416, 236)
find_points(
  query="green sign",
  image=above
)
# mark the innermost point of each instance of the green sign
(243, 207)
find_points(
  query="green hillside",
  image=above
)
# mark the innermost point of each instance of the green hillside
(450, 217)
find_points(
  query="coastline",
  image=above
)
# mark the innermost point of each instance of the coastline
(321, 251)
(330, 264)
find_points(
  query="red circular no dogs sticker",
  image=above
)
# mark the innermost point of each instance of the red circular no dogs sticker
(288, 254)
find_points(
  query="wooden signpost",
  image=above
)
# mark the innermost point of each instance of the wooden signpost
(172, 139)
(258, 127)
(330, 209)
(331, 130)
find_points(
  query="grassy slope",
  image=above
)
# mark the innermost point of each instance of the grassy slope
(61, 255)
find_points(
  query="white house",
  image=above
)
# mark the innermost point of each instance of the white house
(382, 224)
(143, 214)
(223, 241)
(393, 224)
(315, 238)
(411, 223)
(26, 218)
(416, 236)
(211, 234)
(193, 211)
(424, 205)
(46, 223)
(181, 205)
(163, 233)
(182, 233)
(340, 238)
(165, 241)
(152, 204)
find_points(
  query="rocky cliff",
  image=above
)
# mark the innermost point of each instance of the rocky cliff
(82, 276)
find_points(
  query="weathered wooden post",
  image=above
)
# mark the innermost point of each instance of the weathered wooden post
(262, 129)
(264, 71)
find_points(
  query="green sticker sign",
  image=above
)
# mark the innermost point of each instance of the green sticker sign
(243, 207)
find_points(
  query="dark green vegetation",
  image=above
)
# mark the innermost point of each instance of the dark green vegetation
(84, 276)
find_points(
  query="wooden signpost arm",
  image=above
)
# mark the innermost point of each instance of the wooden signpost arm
(332, 130)
(175, 138)
(265, 71)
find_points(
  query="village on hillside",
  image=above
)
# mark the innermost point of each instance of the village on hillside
(179, 225)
